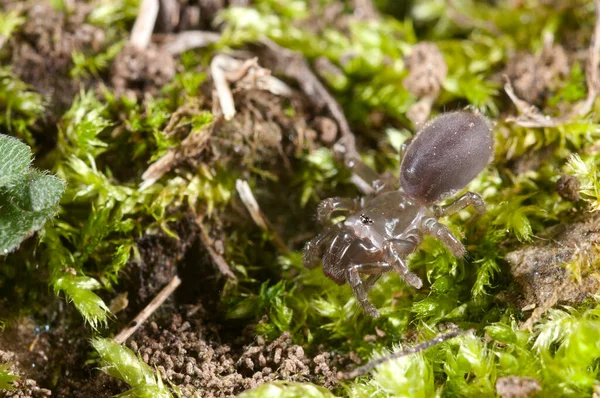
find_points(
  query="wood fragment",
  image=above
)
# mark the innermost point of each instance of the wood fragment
(141, 33)
(531, 116)
(257, 215)
(148, 310)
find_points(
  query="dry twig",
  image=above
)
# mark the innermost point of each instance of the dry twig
(398, 354)
(189, 148)
(192, 39)
(530, 116)
(217, 258)
(141, 33)
(226, 70)
(293, 65)
(257, 215)
(148, 310)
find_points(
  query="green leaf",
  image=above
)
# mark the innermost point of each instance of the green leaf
(22, 213)
(15, 157)
(25, 206)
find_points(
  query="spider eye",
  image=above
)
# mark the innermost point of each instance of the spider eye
(366, 220)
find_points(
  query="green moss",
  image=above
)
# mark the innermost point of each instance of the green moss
(120, 362)
(281, 389)
(106, 142)
(6, 378)
(20, 107)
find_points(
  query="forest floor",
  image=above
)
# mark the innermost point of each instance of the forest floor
(196, 143)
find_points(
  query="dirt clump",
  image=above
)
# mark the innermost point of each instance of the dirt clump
(39, 353)
(428, 71)
(139, 72)
(427, 68)
(535, 76)
(262, 131)
(568, 188)
(190, 354)
(24, 387)
(560, 268)
(42, 51)
(517, 387)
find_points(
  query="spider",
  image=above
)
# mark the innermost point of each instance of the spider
(381, 230)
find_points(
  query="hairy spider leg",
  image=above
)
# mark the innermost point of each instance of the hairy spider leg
(438, 230)
(339, 252)
(468, 199)
(313, 250)
(328, 206)
(397, 249)
(359, 288)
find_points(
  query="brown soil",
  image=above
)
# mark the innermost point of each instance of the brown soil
(191, 354)
(517, 387)
(535, 76)
(541, 269)
(41, 51)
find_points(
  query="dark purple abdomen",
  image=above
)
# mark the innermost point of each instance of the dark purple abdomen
(445, 156)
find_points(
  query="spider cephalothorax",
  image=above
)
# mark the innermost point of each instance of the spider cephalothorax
(381, 230)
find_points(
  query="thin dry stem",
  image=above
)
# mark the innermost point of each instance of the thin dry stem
(217, 258)
(407, 351)
(226, 70)
(189, 148)
(257, 215)
(148, 310)
(218, 67)
(184, 41)
(141, 33)
(530, 116)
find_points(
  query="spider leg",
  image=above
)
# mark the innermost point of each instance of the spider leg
(468, 199)
(313, 250)
(371, 280)
(328, 206)
(358, 287)
(438, 230)
(365, 173)
(397, 249)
